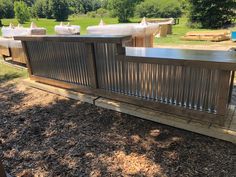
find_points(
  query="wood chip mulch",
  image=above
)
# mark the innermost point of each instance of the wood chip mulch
(42, 134)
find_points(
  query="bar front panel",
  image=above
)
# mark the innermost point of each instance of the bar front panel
(63, 61)
(189, 87)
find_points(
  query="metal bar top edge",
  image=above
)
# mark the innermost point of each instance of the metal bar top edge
(75, 38)
(181, 55)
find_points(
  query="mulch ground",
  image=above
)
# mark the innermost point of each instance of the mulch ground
(47, 135)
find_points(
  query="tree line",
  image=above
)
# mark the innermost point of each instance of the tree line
(201, 13)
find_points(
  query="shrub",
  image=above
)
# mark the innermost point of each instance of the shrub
(60, 9)
(91, 14)
(212, 14)
(47, 9)
(22, 11)
(38, 9)
(160, 8)
(148, 9)
(123, 9)
(6, 8)
(102, 12)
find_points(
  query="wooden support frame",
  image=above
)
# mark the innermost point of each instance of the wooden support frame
(224, 91)
(190, 113)
(225, 72)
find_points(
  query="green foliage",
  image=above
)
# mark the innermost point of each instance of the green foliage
(47, 9)
(6, 9)
(99, 13)
(91, 14)
(38, 9)
(60, 9)
(102, 12)
(22, 11)
(84, 6)
(28, 2)
(123, 9)
(104, 4)
(160, 8)
(212, 13)
(42, 9)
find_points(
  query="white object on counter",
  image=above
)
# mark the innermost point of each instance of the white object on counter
(67, 29)
(133, 29)
(11, 31)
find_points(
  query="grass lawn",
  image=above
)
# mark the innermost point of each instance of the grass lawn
(84, 21)
(8, 72)
(178, 31)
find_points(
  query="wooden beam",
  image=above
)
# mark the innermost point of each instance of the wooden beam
(224, 91)
(25, 49)
(62, 84)
(163, 107)
(181, 122)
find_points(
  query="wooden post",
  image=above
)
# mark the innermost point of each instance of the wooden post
(231, 86)
(224, 91)
(91, 65)
(2, 171)
(27, 58)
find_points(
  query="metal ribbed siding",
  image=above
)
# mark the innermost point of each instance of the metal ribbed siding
(64, 61)
(193, 88)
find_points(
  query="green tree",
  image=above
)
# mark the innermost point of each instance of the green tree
(47, 9)
(38, 9)
(212, 13)
(7, 8)
(60, 9)
(123, 9)
(84, 6)
(160, 8)
(22, 11)
(101, 12)
(1, 13)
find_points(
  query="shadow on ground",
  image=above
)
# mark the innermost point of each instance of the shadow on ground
(41, 133)
(7, 77)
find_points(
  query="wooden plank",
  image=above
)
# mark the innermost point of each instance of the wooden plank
(167, 119)
(62, 84)
(205, 38)
(25, 49)
(224, 91)
(133, 100)
(181, 122)
(207, 33)
(163, 30)
(4, 51)
(59, 91)
(18, 55)
(166, 108)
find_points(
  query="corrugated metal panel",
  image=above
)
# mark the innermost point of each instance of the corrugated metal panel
(64, 61)
(193, 88)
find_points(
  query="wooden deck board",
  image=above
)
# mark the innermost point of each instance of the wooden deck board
(226, 132)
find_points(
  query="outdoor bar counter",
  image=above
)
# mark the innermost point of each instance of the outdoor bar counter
(191, 83)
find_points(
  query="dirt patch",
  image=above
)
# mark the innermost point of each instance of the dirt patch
(48, 135)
